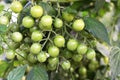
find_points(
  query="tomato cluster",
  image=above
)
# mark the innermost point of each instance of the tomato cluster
(58, 42)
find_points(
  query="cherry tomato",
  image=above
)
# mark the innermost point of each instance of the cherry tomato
(77, 57)
(67, 16)
(66, 65)
(10, 54)
(42, 57)
(72, 44)
(36, 36)
(36, 11)
(59, 41)
(78, 25)
(90, 54)
(51, 67)
(82, 70)
(17, 37)
(81, 49)
(67, 54)
(21, 55)
(28, 22)
(58, 23)
(53, 60)
(16, 6)
(32, 58)
(35, 48)
(4, 20)
(53, 51)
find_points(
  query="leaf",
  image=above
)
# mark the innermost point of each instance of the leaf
(3, 29)
(70, 10)
(3, 66)
(97, 29)
(37, 73)
(1, 7)
(99, 4)
(17, 73)
(115, 62)
(49, 9)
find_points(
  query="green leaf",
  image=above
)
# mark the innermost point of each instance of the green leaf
(1, 50)
(17, 73)
(37, 73)
(97, 29)
(49, 9)
(1, 7)
(115, 62)
(99, 4)
(3, 29)
(3, 66)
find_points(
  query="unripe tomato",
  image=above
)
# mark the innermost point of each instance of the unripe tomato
(32, 29)
(81, 49)
(42, 57)
(67, 16)
(4, 20)
(16, 6)
(66, 65)
(46, 22)
(10, 54)
(28, 22)
(58, 23)
(77, 57)
(36, 11)
(13, 45)
(32, 58)
(17, 37)
(36, 36)
(78, 25)
(51, 67)
(21, 55)
(91, 54)
(13, 27)
(72, 44)
(25, 47)
(53, 51)
(93, 65)
(67, 54)
(35, 48)
(82, 70)
(59, 41)
(53, 60)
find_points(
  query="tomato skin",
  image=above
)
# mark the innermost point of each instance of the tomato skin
(53, 60)
(72, 44)
(77, 57)
(21, 55)
(82, 70)
(16, 6)
(67, 16)
(59, 41)
(66, 65)
(42, 57)
(35, 48)
(28, 22)
(78, 25)
(67, 54)
(36, 11)
(17, 37)
(36, 36)
(90, 54)
(10, 54)
(31, 58)
(58, 23)
(82, 49)
(4, 20)
(53, 51)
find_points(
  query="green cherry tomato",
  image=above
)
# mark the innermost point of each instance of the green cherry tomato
(91, 54)
(59, 41)
(51, 67)
(32, 29)
(16, 6)
(58, 23)
(82, 49)
(53, 51)
(35, 48)
(42, 57)
(36, 36)
(17, 36)
(66, 65)
(77, 57)
(10, 54)
(82, 70)
(28, 22)
(46, 22)
(32, 58)
(4, 20)
(36, 11)
(78, 25)
(53, 60)
(72, 44)
(67, 54)
(21, 55)
(67, 16)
